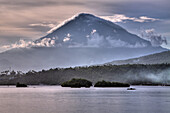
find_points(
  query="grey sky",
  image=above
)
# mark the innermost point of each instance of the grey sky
(31, 19)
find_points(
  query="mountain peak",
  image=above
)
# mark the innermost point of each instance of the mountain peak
(88, 30)
(85, 15)
(84, 39)
(88, 17)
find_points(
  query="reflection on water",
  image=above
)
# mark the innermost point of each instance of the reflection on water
(54, 99)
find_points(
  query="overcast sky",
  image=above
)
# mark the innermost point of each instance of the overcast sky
(32, 19)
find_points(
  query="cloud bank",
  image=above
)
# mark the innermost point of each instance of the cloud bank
(46, 42)
(93, 40)
(96, 40)
(155, 38)
(114, 18)
(50, 25)
(123, 18)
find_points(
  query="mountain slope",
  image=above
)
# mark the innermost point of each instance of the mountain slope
(158, 58)
(86, 30)
(83, 40)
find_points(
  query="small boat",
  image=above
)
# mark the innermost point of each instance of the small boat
(131, 89)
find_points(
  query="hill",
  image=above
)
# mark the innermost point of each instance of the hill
(158, 58)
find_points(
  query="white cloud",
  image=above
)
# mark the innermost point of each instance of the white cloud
(69, 35)
(46, 42)
(123, 18)
(66, 39)
(147, 18)
(95, 40)
(149, 31)
(62, 23)
(153, 37)
(93, 31)
(114, 18)
(120, 43)
(50, 25)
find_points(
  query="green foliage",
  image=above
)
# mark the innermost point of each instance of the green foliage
(110, 84)
(77, 82)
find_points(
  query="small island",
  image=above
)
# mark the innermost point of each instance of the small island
(110, 84)
(77, 83)
(131, 89)
(20, 85)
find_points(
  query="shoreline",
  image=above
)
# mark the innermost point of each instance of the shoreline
(35, 86)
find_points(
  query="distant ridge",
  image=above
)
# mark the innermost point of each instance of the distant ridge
(158, 58)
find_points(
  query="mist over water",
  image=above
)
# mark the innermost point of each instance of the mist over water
(159, 76)
(162, 77)
(54, 99)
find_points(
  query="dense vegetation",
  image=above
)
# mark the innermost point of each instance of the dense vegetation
(110, 84)
(77, 83)
(139, 74)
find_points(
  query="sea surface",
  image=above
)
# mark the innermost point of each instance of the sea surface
(55, 99)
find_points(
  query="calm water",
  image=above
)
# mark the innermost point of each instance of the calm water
(54, 99)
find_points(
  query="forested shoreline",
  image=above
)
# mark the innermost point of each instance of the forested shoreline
(136, 74)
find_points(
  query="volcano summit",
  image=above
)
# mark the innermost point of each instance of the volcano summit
(84, 39)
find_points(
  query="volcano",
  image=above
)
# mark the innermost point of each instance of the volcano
(87, 30)
(82, 40)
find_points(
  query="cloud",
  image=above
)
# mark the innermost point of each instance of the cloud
(114, 18)
(96, 40)
(62, 23)
(25, 4)
(46, 42)
(120, 43)
(50, 25)
(123, 18)
(147, 18)
(155, 38)
(67, 38)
